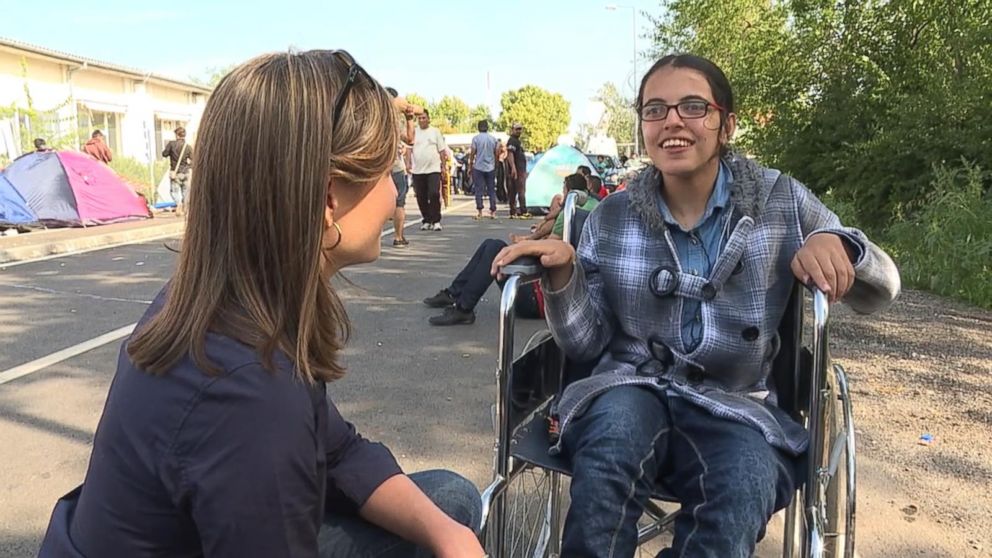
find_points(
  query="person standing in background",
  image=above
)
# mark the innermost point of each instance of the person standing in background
(430, 154)
(180, 155)
(399, 170)
(482, 163)
(516, 188)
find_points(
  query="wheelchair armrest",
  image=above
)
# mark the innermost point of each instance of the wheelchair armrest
(525, 266)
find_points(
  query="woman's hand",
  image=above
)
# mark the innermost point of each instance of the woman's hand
(461, 542)
(556, 256)
(824, 259)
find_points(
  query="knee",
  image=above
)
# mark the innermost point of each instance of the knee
(493, 245)
(454, 494)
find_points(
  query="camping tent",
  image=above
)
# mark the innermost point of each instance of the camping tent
(65, 188)
(546, 178)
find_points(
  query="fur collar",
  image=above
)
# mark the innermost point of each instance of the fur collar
(748, 191)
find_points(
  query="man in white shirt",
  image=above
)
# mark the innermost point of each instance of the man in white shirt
(429, 154)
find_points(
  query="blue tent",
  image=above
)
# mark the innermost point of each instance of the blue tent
(13, 209)
(547, 177)
(41, 181)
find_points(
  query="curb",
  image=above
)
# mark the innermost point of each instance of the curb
(89, 242)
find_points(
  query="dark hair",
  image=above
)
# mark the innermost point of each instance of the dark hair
(427, 113)
(39, 143)
(596, 181)
(392, 92)
(584, 170)
(575, 182)
(180, 132)
(723, 95)
(96, 133)
(483, 125)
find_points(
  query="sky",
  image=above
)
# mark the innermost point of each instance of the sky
(473, 50)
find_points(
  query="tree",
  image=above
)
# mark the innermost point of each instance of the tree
(479, 112)
(544, 115)
(452, 111)
(619, 112)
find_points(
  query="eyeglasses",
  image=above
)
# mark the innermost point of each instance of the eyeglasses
(693, 108)
(354, 70)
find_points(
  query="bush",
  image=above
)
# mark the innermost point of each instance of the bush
(135, 173)
(945, 244)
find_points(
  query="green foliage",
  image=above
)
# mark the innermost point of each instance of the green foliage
(545, 115)
(136, 173)
(946, 244)
(451, 113)
(479, 112)
(619, 111)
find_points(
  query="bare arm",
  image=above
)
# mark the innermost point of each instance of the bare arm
(407, 135)
(400, 507)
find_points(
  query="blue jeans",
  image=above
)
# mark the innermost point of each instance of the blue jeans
(484, 182)
(178, 187)
(350, 536)
(728, 479)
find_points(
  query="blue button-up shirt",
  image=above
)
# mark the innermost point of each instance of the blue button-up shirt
(699, 248)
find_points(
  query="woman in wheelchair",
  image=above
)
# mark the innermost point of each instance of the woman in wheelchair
(677, 288)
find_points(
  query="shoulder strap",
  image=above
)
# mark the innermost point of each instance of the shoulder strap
(182, 151)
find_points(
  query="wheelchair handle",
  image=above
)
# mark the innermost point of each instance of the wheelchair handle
(525, 266)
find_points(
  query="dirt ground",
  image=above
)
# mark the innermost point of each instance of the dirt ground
(924, 366)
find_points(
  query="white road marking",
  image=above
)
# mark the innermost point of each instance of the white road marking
(65, 354)
(110, 337)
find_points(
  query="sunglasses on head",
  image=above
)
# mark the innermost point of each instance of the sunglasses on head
(354, 71)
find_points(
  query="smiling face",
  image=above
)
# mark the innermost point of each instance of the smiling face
(680, 146)
(424, 120)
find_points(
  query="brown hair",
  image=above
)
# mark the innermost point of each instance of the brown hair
(250, 266)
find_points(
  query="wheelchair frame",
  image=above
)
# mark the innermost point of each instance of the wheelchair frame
(824, 501)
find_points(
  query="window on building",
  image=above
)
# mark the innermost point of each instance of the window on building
(107, 122)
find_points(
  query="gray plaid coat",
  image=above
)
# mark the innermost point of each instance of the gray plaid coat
(623, 303)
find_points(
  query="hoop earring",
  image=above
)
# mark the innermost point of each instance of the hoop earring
(340, 236)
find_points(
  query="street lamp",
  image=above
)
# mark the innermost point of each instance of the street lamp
(633, 32)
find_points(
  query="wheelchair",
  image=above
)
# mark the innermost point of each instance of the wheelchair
(523, 506)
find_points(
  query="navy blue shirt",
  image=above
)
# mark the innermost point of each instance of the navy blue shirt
(699, 248)
(244, 463)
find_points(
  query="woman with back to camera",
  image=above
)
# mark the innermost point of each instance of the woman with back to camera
(217, 438)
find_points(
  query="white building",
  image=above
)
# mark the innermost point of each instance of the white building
(137, 111)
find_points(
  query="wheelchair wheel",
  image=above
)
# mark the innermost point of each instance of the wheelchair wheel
(839, 491)
(530, 529)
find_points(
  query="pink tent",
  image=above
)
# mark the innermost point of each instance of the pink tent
(101, 196)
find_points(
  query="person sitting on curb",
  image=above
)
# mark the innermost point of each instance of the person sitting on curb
(459, 299)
